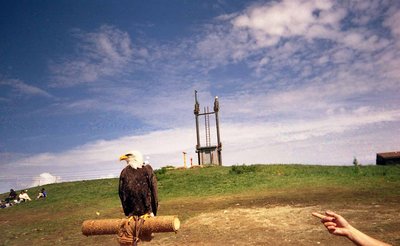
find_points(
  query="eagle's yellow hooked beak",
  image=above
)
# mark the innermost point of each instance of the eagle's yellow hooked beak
(123, 157)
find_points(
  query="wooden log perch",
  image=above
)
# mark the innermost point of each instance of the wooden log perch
(112, 226)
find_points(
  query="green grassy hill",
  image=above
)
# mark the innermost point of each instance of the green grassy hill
(186, 193)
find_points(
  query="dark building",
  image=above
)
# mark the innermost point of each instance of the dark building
(388, 158)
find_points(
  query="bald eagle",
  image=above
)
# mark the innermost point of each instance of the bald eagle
(137, 186)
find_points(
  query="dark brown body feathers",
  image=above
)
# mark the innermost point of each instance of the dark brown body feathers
(138, 191)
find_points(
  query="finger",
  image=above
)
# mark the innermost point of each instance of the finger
(331, 229)
(328, 218)
(318, 215)
(332, 214)
(328, 224)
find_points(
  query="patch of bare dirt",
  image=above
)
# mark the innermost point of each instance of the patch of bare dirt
(279, 225)
(274, 219)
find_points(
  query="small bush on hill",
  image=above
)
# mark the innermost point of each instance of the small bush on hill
(160, 172)
(242, 169)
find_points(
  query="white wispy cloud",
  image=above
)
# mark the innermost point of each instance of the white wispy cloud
(103, 154)
(392, 22)
(104, 52)
(283, 28)
(20, 87)
(44, 179)
(157, 106)
(270, 23)
(303, 59)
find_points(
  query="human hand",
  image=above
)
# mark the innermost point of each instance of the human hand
(335, 223)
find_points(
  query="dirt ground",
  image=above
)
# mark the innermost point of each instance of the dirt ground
(280, 225)
(278, 217)
(262, 222)
(274, 219)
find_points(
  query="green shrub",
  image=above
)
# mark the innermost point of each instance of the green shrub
(242, 169)
(160, 172)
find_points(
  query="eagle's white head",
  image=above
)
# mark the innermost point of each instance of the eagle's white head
(133, 158)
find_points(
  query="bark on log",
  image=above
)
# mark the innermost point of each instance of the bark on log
(112, 226)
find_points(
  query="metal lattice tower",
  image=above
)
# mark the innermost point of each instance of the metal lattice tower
(206, 154)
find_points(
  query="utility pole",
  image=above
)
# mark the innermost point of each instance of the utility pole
(196, 113)
(184, 159)
(219, 147)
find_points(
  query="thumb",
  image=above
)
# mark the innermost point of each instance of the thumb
(336, 231)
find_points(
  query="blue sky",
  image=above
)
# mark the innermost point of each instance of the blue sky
(82, 82)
